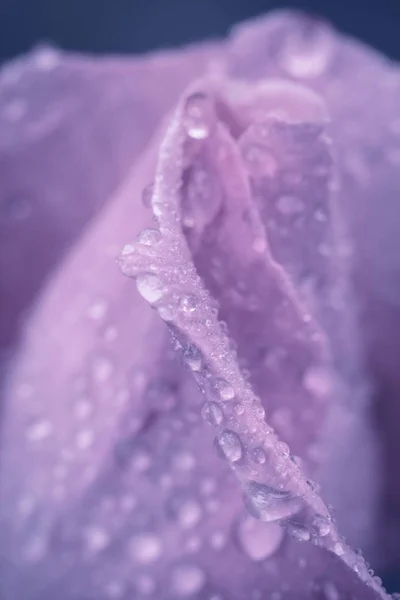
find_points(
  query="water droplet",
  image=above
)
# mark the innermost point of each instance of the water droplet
(330, 591)
(183, 460)
(47, 58)
(198, 116)
(145, 585)
(96, 539)
(218, 540)
(309, 52)
(35, 549)
(259, 161)
(338, 549)
(225, 391)
(114, 590)
(239, 408)
(83, 409)
(299, 532)
(321, 525)
(187, 580)
(259, 455)
(318, 381)
(268, 504)
(39, 430)
(189, 303)
(259, 540)
(141, 460)
(289, 205)
(149, 237)
(259, 245)
(84, 439)
(166, 311)
(145, 548)
(97, 310)
(230, 445)
(187, 511)
(192, 358)
(212, 413)
(102, 369)
(150, 287)
(283, 449)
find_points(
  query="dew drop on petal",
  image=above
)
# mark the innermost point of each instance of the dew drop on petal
(321, 525)
(299, 532)
(192, 358)
(84, 439)
(189, 303)
(96, 539)
(145, 585)
(268, 504)
(259, 456)
(102, 368)
(187, 580)
(258, 540)
(259, 161)
(166, 312)
(150, 287)
(330, 591)
(289, 205)
(39, 430)
(198, 113)
(149, 237)
(309, 53)
(212, 413)
(145, 548)
(186, 511)
(230, 445)
(225, 391)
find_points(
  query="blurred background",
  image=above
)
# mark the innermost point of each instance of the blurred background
(138, 25)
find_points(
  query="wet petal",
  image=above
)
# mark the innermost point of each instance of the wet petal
(113, 488)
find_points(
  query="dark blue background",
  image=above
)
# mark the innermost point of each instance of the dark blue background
(138, 25)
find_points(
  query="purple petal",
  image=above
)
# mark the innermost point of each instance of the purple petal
(110, 483)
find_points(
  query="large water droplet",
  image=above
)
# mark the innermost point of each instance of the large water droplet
(259, 540)
(145, 548)
(268, 504)
(289, 205)
(198, 116)
(187, 580)
(150, 287)
(230, 445)
(212, 413)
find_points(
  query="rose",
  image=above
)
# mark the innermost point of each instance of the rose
(110, 483)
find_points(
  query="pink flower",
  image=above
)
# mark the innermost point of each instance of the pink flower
(246, 177)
